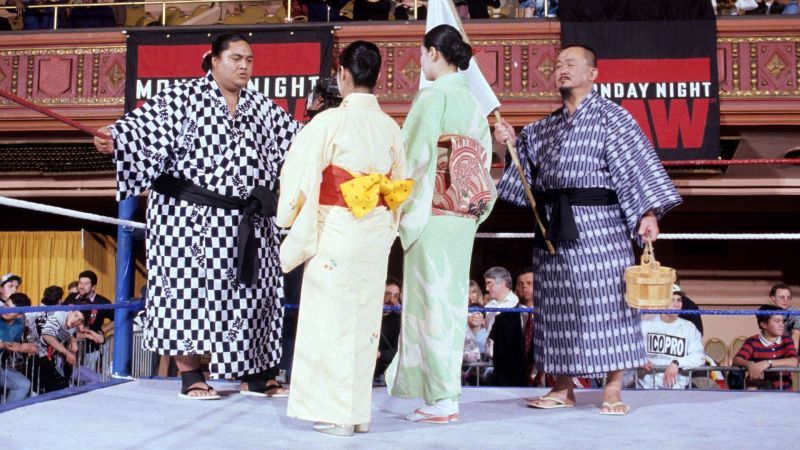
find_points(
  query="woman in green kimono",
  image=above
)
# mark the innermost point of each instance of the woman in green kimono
(448, 147)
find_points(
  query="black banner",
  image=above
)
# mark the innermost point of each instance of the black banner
(287, 62)
(664, 72)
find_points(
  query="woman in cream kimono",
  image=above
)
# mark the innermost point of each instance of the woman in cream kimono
(448, 144)
(339, 197)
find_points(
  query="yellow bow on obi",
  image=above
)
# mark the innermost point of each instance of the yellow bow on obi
(363, 192)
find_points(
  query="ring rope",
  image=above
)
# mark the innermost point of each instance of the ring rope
(673, 236)
(730, 162)
(134, 305)
(712, 162)
(69, 212)
(139, 305)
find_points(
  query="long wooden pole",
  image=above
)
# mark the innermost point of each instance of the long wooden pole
(513, 152)
(51, 113)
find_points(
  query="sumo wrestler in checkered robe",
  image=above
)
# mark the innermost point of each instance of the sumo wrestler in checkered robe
(195, 304)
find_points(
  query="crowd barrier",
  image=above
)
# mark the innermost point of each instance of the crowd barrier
(51, 372)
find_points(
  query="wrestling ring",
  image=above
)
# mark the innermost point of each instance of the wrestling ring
(128, 410)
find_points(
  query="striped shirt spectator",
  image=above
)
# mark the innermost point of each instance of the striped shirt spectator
(757, 348)
(770, 348)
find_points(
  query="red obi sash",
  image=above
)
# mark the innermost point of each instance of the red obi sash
(329, 192)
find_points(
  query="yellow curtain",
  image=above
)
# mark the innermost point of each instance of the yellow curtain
(46, 258)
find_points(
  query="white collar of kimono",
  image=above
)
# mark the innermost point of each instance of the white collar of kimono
(244, 95)
(581, 106)
(361, 100)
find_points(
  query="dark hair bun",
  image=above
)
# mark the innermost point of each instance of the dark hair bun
(206, 64)
(363, 60)
(461, 53)
(449, 42)
(219, 45)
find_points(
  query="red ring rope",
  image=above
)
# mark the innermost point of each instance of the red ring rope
(53, 114)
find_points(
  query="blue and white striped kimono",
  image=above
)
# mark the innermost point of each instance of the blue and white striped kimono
(583, 325)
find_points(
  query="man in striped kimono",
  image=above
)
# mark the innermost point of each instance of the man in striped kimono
(598, 182)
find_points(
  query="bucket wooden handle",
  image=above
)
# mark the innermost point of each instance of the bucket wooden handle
(648, 255)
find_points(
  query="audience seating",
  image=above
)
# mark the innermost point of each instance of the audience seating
(717, 350)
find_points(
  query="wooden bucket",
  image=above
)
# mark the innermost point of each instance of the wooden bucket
(648, 285)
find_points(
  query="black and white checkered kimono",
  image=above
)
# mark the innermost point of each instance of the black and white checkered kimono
(583, 327)
(195, 304)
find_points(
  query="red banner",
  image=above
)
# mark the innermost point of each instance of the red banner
(664, 73)
(286, 62)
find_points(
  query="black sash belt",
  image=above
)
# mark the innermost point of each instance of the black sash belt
(261, 200)
(560, 225)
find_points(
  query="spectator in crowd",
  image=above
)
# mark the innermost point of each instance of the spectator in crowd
(323, 10)
(479, 9)
(511, 346)
(390, 326)
(72, 292)
(524, 287)
(41, 367)
(781, 296)
(511, 338)
(87, 294)
(96, 325)
(58, 336)
(688, 305)
(371, 9)
(791, 8)
(12, 331)
(672, 342)
(498, 287)
(7, 16)
(52, 295)
(41, 18)
(475, 295)
(475, 344)
(767, 7)
(769, 348)
(475, 339)
(404, 10)
(93, 16)
(9, 284)
(536, 8)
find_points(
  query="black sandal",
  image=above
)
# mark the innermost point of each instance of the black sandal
(260, 388)
(193, 377)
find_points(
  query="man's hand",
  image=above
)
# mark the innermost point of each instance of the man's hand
(20, 6)
(104, 145)
(756, 370)
(19, 347)
(503, 132)
(93, 336)
(648, 227)
(670, 375)
(27, 348)
(72, 346)
(70, 358)
(648, 366)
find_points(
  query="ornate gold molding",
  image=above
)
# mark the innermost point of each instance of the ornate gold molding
(62, 51)
(758, 39)
(95, 101)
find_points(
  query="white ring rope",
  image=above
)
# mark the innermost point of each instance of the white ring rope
(68, 212)
(129, 223)
(678, 236)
